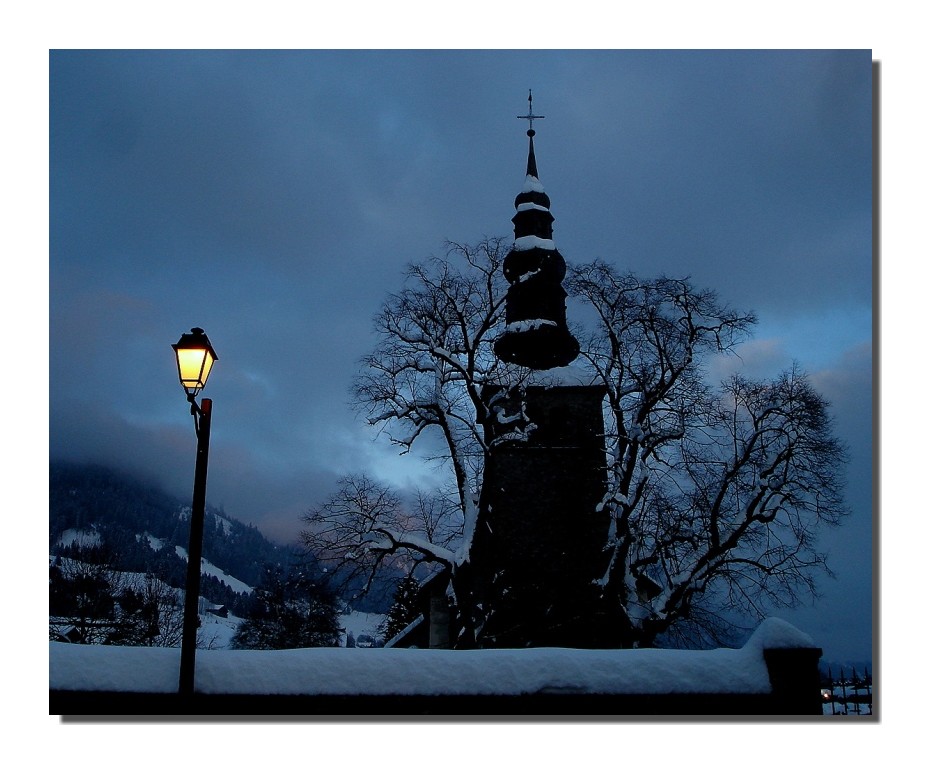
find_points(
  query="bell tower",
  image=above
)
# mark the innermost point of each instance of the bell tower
(541, 546)
(535, 334)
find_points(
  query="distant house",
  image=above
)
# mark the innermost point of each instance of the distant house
(431, 628)
(221, 612)
(68, 633)
(414, 635)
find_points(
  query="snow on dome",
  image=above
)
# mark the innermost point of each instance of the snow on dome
(532, 206)
(520, 326)
(532, 184)
(531, 241)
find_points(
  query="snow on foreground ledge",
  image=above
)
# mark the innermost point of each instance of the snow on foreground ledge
(351, 671)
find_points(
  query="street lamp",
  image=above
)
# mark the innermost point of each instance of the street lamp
(195, 358)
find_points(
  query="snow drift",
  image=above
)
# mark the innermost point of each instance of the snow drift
(348, 671)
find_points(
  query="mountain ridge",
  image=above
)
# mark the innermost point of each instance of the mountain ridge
(147, 530)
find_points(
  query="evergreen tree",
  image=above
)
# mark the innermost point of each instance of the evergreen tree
(290, 610)
(149, 613)
(82, 591)
(404, 610)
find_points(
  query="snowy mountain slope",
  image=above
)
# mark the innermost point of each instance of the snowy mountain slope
(207, 568)
(143, 526)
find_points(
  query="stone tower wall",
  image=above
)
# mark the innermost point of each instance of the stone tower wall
(546, 543)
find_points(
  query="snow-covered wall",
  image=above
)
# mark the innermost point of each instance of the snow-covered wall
(348, 671)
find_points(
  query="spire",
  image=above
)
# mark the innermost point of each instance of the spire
(531, 159)
(536, 334)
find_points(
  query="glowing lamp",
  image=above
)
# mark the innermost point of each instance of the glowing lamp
(195, 359)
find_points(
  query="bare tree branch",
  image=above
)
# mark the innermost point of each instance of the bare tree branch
(715, 492)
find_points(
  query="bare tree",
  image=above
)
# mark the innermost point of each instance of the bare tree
(364, 528)
(715, 492)
(434, 357)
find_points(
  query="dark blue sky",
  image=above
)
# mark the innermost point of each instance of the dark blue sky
(274, 198)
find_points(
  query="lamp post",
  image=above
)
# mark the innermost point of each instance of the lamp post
(195, 358)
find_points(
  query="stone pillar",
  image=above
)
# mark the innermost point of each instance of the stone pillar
(793, 675)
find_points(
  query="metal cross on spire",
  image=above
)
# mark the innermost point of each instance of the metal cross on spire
(530, 116)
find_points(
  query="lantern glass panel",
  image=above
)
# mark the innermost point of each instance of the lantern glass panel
(194, 367)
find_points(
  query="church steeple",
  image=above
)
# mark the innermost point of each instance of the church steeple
(531, 158)
(536, 334)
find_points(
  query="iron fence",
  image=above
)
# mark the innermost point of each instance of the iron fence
(845, 695)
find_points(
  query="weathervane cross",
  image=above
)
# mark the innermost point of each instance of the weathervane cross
(530, 116)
